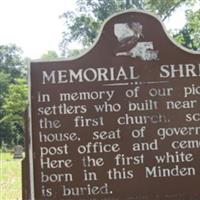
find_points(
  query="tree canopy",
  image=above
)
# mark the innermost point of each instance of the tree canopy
(83, 24)
(189, 36)
(49, 55)
(13, 94)
(10, 60)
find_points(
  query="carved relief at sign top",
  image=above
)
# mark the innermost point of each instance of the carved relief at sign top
(129, 35)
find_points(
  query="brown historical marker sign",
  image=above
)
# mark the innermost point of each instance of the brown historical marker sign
(120, 122)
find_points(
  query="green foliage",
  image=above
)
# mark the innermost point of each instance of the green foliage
(81, 28)
(189, 36)
(50, 55)
(165, 8)
(16, 101)
(13, 92)
(84, 24)
(11, 65)
(4, 82)
(75, 52)
(14, 106)
(194, 26)
(10, 60)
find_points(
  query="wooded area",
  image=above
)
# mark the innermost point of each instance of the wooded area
(82, 26)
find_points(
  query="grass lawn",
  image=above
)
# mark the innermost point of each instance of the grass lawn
(10, 177)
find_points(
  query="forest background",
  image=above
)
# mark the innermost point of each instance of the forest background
(81, 26)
